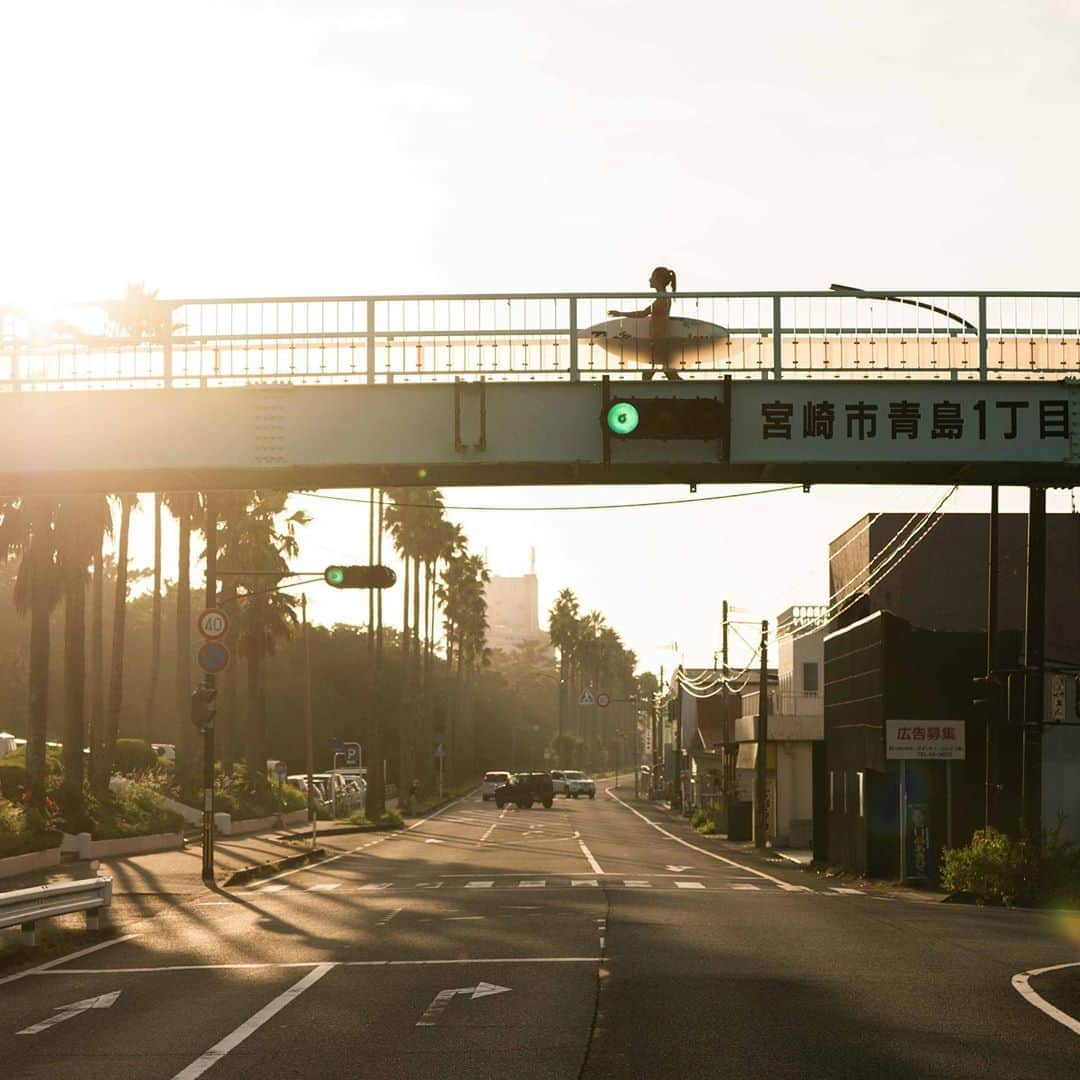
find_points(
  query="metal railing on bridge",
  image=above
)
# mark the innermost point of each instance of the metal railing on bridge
(290, 341)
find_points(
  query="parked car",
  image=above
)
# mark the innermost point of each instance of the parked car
(571, 783)
(523, 789)
(491, 783)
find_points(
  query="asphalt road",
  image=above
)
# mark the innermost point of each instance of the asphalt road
(578, 941)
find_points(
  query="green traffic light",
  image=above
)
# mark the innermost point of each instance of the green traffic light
(335, 575)
(622, 418)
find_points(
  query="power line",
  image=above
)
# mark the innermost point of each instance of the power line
(545, 509)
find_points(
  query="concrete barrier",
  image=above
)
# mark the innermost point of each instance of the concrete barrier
(29, 863)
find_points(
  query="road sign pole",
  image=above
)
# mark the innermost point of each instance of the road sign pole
(761, 773)
(209, 681)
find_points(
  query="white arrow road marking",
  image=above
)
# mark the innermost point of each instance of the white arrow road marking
(103, 1001)
(444, 997)
(678, 869)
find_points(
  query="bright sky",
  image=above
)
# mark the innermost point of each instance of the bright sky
(329, 146)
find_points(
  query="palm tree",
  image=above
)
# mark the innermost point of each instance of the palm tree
(102, 765)
(81, 523)
(565, 632)
(262, 540)
(27, 527)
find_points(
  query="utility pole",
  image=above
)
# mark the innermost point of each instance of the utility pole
(991, 642)
(637, 752)
(1034, 659)
(309, 726)
(209, 684)
(724, 641)
(676, 793)
(761, 772)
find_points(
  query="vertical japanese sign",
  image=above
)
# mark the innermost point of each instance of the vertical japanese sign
(892, 421)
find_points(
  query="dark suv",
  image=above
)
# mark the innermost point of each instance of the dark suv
(524, 789)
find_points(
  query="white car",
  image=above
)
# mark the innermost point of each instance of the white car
(492, 781)
(571, 783)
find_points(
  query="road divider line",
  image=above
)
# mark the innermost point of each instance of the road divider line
(594, 866)
(258, 966)
(1022, 986)
(44, 969)
(786, 886)
(252, 1024)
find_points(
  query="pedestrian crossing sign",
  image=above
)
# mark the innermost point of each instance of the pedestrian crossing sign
(586, 697)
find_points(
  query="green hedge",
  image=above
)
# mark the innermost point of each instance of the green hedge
(134, 756)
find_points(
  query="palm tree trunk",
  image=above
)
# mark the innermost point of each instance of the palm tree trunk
(74, 692)
(116, 665)
(405, 618)
(97, 660)
(39, 689)
(155, 625)
(186, 736)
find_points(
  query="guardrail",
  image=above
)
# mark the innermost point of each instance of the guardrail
(293, 341)
(25, 908)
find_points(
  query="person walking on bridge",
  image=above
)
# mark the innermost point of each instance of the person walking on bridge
(657, 314)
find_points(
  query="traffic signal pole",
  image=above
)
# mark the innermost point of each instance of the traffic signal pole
(761, 770)
(209, 684)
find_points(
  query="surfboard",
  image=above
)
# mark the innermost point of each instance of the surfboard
(630, 341)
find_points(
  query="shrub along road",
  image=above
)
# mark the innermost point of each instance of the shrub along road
(576, 941)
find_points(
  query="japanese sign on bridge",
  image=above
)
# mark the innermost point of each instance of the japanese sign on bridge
(901, 421)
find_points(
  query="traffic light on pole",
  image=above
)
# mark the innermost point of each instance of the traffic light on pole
(359, 577)
(666, 418)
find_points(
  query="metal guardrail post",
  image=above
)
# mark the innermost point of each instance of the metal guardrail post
(575, 371)
(369, 333)
(777, 347)
(982, 337)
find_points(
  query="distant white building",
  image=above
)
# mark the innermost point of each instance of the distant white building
(513, 611)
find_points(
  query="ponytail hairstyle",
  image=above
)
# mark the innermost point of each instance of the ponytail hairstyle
(667, 277)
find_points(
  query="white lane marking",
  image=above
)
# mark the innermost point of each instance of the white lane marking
(370, 843)
(711, 854)
(636, 884)
(479, 884)
(252, 1024)
(594, 866)
(429, 884)
(319, 963)
(432, 840)
(689, 885)
(375, 887)
(271, 888)
(678, 869)
(1022, 986)
(43, 969)
(443, 998)
(76, 1008)
(389, 916)
(584, 881)
(325, 886)
(464, 918)
(531, 884)
(748, 888)
(846, 892)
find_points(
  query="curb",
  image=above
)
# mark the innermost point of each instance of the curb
(289, 862)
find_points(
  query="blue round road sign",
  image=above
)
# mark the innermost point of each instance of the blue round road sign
(213, 657)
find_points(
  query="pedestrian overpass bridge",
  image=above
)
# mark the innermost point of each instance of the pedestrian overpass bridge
(291, 392)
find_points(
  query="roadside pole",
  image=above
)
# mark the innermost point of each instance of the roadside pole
(637, 751)
(1034, 663)
(309, 727)
(761, 772)
(676, 791)
(209, 684)
(991, 646)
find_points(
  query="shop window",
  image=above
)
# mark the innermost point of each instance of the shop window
(810, 678)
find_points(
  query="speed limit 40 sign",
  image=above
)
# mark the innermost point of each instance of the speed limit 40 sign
(213, 623)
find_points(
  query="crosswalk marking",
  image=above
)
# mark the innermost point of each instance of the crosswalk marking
(273, 888)
(689, 885)
(638, 884)
(326, 886)
(584, 881)
(531, 884)
(748, 888)
(429, 884)
(479, 884)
